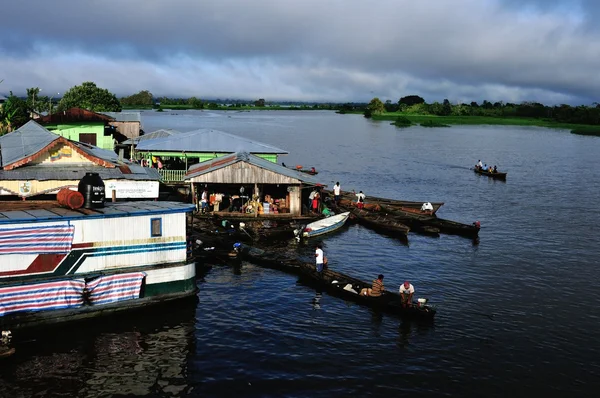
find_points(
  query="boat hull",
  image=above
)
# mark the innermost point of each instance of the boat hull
(496, 176)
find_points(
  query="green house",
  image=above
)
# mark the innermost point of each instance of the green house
(83, 126)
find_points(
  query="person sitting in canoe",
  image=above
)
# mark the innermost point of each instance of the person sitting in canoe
(495, 170)
(479, 164)
(406, 293)
(376, 290)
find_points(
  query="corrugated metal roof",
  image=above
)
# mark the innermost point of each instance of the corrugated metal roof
(124, 116)
(207, 140)
(38, 212)
(224, 161)
(61, 173)
(31, 138)
(151, 136)
(25, 141)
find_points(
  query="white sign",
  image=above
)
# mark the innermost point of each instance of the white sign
(132, 189)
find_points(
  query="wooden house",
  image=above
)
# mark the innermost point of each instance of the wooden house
(35, 161)
(246, 183)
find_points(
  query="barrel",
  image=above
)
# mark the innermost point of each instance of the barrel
(69, 198)
(92, 188)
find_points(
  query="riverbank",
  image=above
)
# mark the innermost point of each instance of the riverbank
(432, 120)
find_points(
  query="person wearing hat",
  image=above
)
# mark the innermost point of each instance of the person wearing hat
(406, 292)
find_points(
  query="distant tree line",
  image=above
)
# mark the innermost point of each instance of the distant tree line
(415, 105)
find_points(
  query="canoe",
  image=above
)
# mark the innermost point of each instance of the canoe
(393, 203)
(338, 284)
(380, 222)
(496, 176)
(445, 226)
(312, 171)
(323, 226)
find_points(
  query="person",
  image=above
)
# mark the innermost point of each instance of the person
(313, 170)
(204, 200)
(360, 200)
(337, 191)
(376, 289)
(315, 203)
(490, 169)
(495, 169)
(479, 164)
(406, 293)
(319, 257)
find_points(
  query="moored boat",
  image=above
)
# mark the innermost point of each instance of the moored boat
(323, 226)
(393, 203)
(340, 285)
(59, 265)
(444, 226)
(494, 175)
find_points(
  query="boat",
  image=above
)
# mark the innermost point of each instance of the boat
(494, 175)
(392, 203)
(376, 221)
(415, 221)
(339, 285)
(60, 265)
(312, 171)
(322, 226)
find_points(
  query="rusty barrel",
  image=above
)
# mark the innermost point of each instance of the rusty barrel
(69, 198)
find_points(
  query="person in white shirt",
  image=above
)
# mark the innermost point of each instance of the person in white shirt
(337, 191)
(406, 292)
(320, 257)
(479, 165)
(360, 200)
(204, 201)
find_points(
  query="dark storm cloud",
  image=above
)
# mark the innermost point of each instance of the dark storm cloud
(311, 50)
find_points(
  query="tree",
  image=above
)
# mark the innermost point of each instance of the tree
(411, 100)
(89, 96)
(375, 107)
(13, 114)
(260, 102)
(143, 98)
(196, 103)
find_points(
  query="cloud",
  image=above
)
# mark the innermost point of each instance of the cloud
(336, 50)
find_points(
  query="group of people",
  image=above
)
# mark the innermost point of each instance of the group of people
(481, 167)
(406, 291)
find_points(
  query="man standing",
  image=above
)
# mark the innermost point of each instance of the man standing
(319, 256)
(337, 191)
(406, 292)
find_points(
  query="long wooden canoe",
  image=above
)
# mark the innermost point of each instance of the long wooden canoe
(393, 203)
(338, 284)
(445, 226)
(496, 176)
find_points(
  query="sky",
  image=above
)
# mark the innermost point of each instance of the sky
(546, 51)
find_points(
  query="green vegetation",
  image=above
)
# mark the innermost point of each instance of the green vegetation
(89, 96)
(587, 130)
(433, 123)
(402, 121)
(143, 99)
(13, 114)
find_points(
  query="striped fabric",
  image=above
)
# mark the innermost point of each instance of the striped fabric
(37, 239)
(113, 288)
(42, 296)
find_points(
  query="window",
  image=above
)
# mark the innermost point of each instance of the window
(155, 227)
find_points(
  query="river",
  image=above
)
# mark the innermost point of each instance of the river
(516, 313)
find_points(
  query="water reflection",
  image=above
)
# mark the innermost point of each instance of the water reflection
(128, 355)
(316, 302)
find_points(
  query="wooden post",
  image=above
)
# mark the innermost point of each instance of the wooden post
(193, 195)
(114, 195)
